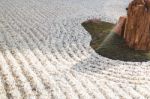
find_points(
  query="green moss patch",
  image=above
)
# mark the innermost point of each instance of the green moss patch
(111, 45)
(98, 30)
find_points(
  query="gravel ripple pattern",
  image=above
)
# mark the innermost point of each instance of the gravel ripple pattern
(45, 53)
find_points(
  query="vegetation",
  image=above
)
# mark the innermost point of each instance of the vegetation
(110, 45)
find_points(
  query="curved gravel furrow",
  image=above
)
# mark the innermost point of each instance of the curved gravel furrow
(8, 80)
(45, 53)
(14, 51)
(3, 93)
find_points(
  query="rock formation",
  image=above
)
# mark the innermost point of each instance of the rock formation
(137, 28)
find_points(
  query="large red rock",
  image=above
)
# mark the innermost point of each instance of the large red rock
(137, 28)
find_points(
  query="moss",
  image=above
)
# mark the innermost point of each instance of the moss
(98, 30)
(111, 45)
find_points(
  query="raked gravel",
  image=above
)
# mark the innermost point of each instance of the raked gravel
(45, 53)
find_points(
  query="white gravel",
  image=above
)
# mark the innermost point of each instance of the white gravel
(45, 53)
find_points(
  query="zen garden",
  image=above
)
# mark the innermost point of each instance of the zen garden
(74, 49)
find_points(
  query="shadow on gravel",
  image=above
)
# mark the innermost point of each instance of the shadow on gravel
(92, 65)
